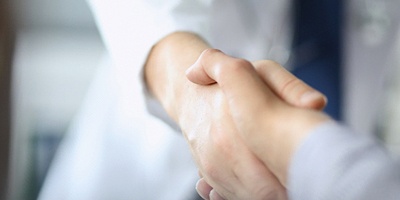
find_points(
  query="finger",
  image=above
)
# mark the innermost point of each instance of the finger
(289, 87)
(215, 196)
(203, 189)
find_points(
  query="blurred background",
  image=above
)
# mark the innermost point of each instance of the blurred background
(5, 68)
(49, 51)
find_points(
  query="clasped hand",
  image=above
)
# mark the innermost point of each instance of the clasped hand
(243, 121)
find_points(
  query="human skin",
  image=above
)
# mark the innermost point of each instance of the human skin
(277, 131)
(203, 115)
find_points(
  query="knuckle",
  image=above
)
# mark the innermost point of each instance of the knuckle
(241, 63)
(238, 66)
(209, 52)
(225, 64)
(210, 171)
(266, 192)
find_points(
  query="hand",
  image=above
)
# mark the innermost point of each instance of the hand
(205, 121)
(218, 150)
(190, 105)
(260, 116)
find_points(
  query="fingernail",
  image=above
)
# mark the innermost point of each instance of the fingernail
(311, 96)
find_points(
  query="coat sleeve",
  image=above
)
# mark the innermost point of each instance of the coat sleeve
(129, 30)
(336, 163)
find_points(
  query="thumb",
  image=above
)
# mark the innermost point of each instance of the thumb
(288, 87)
(242, 86)
(196, 73)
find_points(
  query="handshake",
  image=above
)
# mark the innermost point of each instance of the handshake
(244, 121)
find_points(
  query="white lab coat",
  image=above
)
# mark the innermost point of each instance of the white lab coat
(122, 145)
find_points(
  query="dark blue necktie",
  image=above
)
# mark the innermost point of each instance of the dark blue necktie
(317, 48)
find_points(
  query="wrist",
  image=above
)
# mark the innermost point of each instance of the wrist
(296, 129)
(166, 66)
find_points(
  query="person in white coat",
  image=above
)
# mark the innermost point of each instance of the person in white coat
(123, 145)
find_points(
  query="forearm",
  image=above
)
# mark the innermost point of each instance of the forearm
(166, 65)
